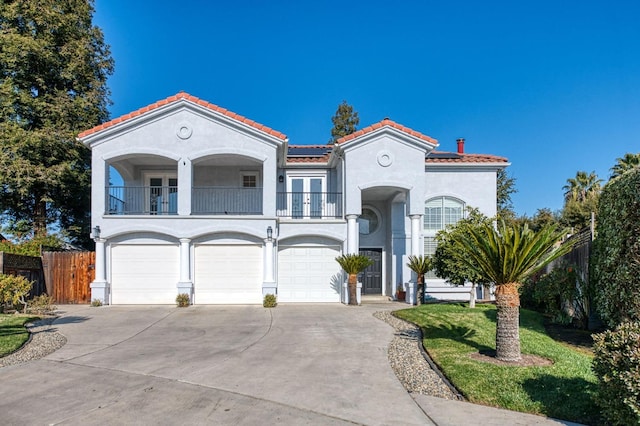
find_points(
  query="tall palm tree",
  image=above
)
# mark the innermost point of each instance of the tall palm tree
(353, 264)
(626, 163)
(508, 256)
(420, 265)
(582, 186)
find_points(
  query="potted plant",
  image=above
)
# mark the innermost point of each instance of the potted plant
(420, 265)
(353, 264)
(401, 295)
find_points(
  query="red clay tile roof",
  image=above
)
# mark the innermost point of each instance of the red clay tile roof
(454, 157)
(390, 123)
(175, 98)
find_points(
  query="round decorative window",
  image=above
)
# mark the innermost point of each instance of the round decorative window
(368, 221)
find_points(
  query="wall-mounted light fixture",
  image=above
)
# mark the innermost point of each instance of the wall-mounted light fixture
(280, 178)
(269, 233)
(96, 231)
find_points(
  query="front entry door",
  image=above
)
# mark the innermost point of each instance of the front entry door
(371, 277)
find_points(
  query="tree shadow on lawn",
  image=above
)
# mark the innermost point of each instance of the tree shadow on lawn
(565, 398)
(461, 334)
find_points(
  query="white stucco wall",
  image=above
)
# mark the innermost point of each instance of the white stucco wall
(477, 188)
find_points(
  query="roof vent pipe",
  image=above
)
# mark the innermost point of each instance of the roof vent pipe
(460, 145)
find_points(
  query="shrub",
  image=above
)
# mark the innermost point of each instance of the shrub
(615, 258)
(13, 289)
(96, 303)
(558, 294)
(617, 365)
(183, 300)
(41, 305)
(269, 301)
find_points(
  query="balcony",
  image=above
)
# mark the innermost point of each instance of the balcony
(163, 200)
(309, 205)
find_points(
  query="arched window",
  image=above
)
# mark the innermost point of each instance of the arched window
(439, 212)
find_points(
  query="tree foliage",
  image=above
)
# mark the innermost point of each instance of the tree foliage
(581, 195)
(420, 265)
(615, 257)
(624, 164)
(506, 185)
(345, 122)
(445, 260)
(14, 289)
(53, 70)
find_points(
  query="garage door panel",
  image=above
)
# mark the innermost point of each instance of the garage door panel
(308, 274)
(230, 274)
(144, 274)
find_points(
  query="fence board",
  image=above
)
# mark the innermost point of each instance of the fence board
(68, 275)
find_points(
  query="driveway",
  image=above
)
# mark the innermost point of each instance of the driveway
(241, 365)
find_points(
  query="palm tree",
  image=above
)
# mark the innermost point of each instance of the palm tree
(582, 186)
(626, 163)
(507, 257)
(420, 265)
(353, 264)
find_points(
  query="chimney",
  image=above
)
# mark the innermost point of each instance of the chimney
(460, 145)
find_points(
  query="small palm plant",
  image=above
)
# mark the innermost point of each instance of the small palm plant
(507, 257)
(420, 265)
(353, 264)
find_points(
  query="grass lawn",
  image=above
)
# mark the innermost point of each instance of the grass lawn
(563, 390)
(13, 334)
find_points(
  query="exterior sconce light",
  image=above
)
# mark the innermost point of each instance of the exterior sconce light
(96, 232)
(280, 178)
(269, 233)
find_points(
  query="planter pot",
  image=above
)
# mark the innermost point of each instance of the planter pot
(401, 296)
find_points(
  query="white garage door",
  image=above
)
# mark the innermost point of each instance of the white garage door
(144, 274)
(308, 274)
(228, 274)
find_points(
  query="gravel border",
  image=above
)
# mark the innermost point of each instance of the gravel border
(43, 340)
(412, 365)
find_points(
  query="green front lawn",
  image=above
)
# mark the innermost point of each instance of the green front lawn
(13, 334)
(563, 390)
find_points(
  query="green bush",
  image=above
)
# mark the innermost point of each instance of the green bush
(615, 257)
(557, 294)
(269, 301)
(96, 303)
(617, 365)
(13, 289)
(183, 300)
(41, 305)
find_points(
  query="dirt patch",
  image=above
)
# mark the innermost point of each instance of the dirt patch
(526, 360)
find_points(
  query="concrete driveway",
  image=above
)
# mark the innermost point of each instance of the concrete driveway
(296, 364)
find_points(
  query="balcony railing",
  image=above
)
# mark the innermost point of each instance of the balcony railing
(309, 205)
(226, 201)
(142, 200)
(156, 200)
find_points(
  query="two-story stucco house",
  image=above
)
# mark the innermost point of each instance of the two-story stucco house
(212, 204)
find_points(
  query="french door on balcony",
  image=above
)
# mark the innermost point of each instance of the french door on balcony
(162, 193)
(307, 196)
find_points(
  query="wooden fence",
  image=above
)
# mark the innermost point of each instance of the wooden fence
(68, 275)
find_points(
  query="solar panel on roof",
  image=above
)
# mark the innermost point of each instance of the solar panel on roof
(444, 155)
(308, 151)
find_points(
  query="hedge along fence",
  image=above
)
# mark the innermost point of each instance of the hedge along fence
(615, 258)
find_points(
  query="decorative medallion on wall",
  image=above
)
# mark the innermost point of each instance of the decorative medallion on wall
(385, 158)
(184, 131)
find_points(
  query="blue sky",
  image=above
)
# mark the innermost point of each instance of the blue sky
(554, 86)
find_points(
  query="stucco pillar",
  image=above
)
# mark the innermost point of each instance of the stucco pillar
(415, 234)
(185, 186)
(185, 286)
(352, 234)
(269, 282)
(100, 286)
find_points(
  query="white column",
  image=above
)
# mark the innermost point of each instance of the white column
(269, 282)
(415, 234)
(185, 286)
(99, 286)
(352, 234)
(185, 186)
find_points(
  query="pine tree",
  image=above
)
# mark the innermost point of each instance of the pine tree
(344, 122)
(53, 69)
